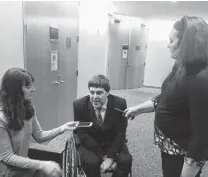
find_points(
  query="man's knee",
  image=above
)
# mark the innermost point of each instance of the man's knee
(92, 161)
(125, 159)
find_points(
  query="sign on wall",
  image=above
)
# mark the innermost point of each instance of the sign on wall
(54, 60)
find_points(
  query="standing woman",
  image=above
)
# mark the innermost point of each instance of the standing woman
(18, 122)
(181, 110)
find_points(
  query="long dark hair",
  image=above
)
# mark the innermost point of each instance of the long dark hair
(15, 108)
(193, 47)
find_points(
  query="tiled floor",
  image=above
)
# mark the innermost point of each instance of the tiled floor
(146, 157)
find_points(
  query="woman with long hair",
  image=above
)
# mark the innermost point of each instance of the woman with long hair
(181, 110)
(18, 122)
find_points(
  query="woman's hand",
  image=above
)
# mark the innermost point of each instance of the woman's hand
(68, 126)
(190, 170)
(131, 112)
(50, 168)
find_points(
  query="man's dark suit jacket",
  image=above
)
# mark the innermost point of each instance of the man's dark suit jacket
(108, 140)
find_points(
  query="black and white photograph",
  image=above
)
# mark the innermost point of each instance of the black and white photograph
(104, 88)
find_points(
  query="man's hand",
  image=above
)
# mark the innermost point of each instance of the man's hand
(106, 164)
(113, 166)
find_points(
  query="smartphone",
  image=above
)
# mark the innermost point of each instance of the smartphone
(119, 110)
(84, 124)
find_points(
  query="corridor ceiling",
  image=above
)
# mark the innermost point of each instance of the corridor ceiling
(163, 10)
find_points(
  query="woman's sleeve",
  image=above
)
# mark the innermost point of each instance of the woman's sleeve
(198, 110)
(8, 157)
(41, 136)
(155, 100)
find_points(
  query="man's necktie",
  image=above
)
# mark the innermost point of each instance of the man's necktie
(99, 117)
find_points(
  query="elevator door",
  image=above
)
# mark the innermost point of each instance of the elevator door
(137, 55)
(117, 63)
(55, 88)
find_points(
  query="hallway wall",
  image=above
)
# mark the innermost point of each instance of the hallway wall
(11, 47)
(93, 45)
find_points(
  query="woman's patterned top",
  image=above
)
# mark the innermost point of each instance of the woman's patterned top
(169, 146)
